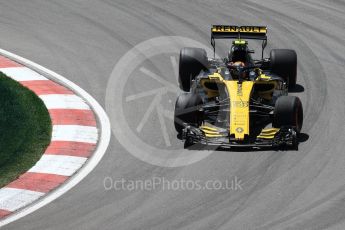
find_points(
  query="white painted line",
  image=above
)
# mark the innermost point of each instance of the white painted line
(58, 164)
(63, 101)
(103, 142)
(22, 74)
(12, 199)
(78, 133)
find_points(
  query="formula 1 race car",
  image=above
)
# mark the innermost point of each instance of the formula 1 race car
(238, 101)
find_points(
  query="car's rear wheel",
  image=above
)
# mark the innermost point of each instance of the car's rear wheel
(288, 111)
(283, 62)
(187, 110)
(192, 62)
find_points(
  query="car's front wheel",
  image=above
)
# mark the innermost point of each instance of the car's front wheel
(187, 110)
(288, 111)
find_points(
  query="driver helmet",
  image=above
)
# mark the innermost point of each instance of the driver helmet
(234, 69)
(238, 51)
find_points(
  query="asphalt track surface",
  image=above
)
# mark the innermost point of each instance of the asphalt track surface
(83, 40)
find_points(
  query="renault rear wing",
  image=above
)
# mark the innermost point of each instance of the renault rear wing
(238, 32)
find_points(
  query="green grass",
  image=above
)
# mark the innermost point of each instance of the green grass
(25, 129)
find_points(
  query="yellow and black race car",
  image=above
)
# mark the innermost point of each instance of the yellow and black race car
(238, 101)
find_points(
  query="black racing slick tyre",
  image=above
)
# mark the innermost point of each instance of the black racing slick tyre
(187, 110)
(284, 63)
(288, 111)
(192, 62)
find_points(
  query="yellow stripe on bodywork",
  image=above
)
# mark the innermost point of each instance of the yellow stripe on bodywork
(209, 132)
(215, 76)
(239, 107)
(214, 135)
(264, 77)
(208, 128)
(266, 137)
(268, 133)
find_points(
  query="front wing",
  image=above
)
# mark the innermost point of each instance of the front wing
(284, 137)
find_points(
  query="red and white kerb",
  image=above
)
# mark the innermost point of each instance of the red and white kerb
(74, 139)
